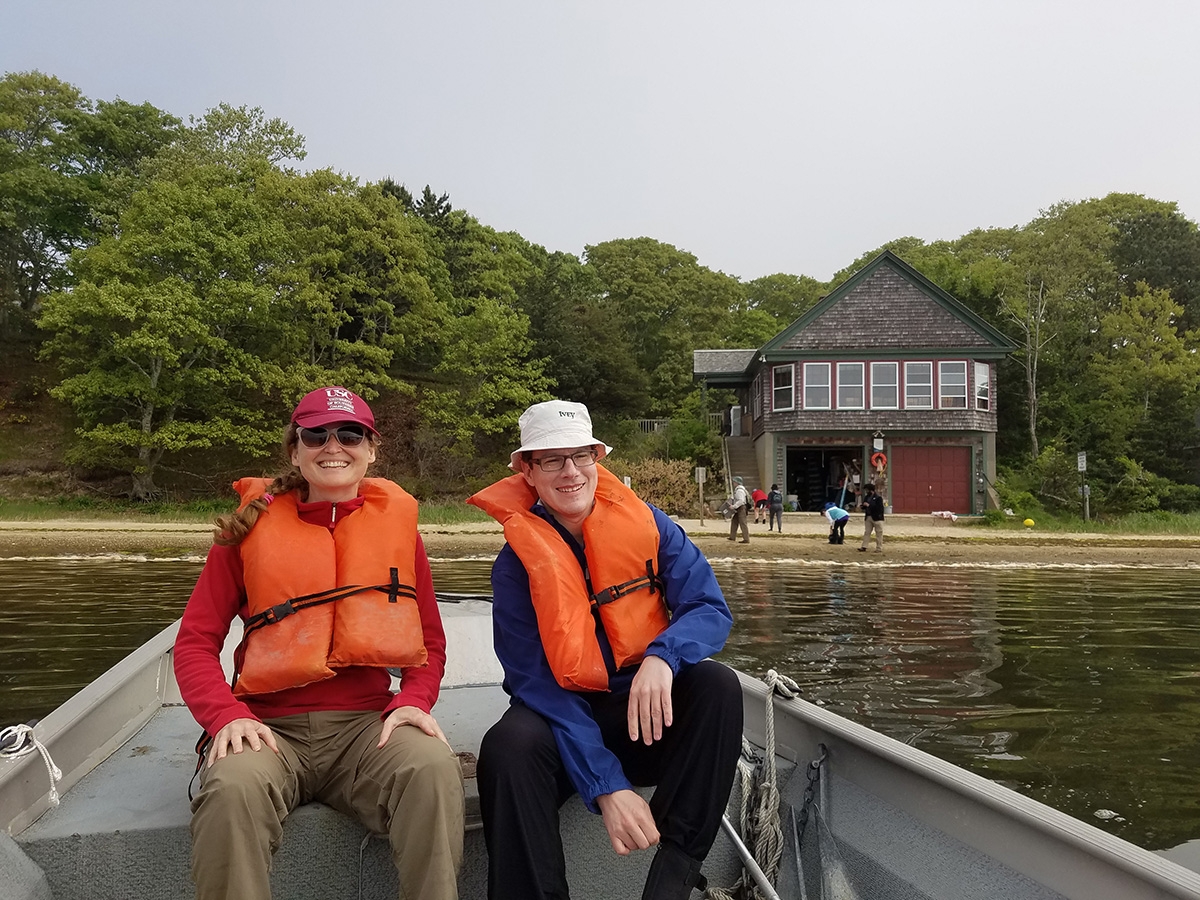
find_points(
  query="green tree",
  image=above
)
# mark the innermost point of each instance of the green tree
(167, 334)
(356, 306)
(484, 371)
(1157, 245)
(175, 332)
(584, 347)
(784, 298)
(669, 305)
(1145, 382)
(66, 167)
(43, 205)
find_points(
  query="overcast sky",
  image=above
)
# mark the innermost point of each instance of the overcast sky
(761, 136)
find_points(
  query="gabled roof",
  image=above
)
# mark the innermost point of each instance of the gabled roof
(888, 309)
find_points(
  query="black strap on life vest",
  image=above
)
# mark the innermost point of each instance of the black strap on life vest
(394, 590)
(617, 591)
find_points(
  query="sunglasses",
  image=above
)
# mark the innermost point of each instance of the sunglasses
(346, 435)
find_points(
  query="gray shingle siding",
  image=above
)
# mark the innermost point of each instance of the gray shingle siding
(886, 312)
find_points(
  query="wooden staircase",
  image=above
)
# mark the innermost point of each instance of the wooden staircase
(739, 453)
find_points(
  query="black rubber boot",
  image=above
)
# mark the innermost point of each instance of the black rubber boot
(672, 875)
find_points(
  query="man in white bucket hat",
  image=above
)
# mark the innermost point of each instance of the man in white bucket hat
(604, 614)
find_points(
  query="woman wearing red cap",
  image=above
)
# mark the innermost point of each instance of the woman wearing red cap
(326, 570)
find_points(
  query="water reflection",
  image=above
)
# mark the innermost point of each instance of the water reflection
(1075, 686)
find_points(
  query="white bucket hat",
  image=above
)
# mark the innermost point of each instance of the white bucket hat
(556, 425)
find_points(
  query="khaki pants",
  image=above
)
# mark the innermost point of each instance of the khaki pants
(739, 521)
(877, 527)
(410, 790)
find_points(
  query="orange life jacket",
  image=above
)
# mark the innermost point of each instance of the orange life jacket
(320, 600)
(621, 547)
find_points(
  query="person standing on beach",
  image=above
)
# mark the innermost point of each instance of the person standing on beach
(604, 616)
(775, 508)
(326, 570)
(739, 504)
(872, 519)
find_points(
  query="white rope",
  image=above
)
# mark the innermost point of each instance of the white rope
(23, 742)
(759, 815)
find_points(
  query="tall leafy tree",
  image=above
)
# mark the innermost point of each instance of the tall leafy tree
(43, 205)
(356, 296)
(669, 305)
(485, 371)
(167, 339)
(1157, 245)
(784, 297)
(66, 167)
(1144, 383)
(586, 350)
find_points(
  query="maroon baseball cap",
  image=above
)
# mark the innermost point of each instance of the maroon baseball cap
(327, 405)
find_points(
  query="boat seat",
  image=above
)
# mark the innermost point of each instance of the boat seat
(123, 830)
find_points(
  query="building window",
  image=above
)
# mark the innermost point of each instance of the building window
(850, 386)
(816, 385)
(952, 385)
(756, 395)
(885, 385)
(983, 386)
(918, 385)
(783, 393)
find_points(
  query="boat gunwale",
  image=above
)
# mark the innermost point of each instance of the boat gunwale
(1042, 860)
(88, 728)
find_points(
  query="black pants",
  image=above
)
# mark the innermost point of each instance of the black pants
(522, 782)
(837, 533)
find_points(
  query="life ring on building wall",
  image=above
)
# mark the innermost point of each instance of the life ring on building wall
(879, 460)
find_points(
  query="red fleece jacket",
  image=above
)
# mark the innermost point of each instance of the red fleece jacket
(220, 594)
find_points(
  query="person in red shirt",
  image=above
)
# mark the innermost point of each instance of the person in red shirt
(759, 497)
(339, 736)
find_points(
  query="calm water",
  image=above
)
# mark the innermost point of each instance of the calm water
(1078, 687)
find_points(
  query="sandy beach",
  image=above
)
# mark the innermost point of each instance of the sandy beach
(909, 540)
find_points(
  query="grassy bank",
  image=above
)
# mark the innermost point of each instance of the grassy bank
(1158, 522)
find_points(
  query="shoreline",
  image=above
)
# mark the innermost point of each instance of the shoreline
(909, 540)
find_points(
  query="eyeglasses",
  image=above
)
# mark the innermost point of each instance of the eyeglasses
(346, 435)
(581, 458)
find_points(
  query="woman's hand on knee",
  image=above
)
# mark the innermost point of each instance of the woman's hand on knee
(411, 715)
(233, 737)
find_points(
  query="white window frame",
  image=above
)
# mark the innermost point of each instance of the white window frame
(850, 368)
(756, 395)
(908, 381)
(943, 366)
(827, 386)
(790, 387)
(894, 384)
(983, 386)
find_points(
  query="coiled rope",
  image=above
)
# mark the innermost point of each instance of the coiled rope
(19, 740)
(759, 824)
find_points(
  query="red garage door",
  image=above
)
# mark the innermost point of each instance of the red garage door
(927, 479)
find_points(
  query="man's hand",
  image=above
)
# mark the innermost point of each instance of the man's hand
(628, 821)
(649, 709)
(410, 715)
(232, 736)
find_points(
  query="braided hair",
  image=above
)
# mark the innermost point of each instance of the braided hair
(232, 529)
